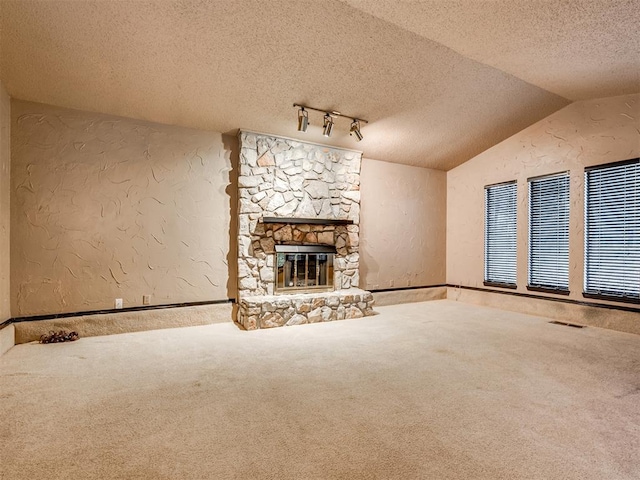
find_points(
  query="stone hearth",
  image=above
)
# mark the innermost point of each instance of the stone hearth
(297, 193)
(268, 311)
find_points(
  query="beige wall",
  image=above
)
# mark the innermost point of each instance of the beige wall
(105, 207)
(5, 168)
(403, 224)
(582, 134)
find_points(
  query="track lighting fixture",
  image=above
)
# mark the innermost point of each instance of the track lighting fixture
(303, 120)
(327, 128)
(329, 115)
(355, 129)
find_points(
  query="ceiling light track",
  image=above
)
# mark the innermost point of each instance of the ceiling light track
(329, 115)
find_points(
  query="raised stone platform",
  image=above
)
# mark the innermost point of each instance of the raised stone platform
(267, 311)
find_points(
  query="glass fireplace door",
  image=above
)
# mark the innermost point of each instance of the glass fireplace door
(304, 271)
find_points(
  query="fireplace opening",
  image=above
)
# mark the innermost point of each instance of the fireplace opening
(303, 268)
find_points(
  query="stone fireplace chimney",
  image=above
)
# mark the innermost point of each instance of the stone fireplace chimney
(293, 196)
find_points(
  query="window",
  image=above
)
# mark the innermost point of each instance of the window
(549, 233)
(500, 235)
(612, 231)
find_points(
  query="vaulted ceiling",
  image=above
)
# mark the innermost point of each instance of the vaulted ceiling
(439, 81)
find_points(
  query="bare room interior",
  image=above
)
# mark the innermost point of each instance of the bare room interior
(328, 239)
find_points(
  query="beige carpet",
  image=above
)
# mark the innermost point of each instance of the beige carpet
(434, 390)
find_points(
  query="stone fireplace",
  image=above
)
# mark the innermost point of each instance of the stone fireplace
(298, 233)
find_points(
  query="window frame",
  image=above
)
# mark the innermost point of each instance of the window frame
(493, 282)
(539, 287)
(603, 295)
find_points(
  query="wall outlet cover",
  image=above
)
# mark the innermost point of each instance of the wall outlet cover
(146, 299)
(118, 303)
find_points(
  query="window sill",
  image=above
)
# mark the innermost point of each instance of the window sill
(611, 298)
(512, 286)
(556, 291)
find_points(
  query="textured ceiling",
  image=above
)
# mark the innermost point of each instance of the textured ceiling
(229, 64)
(578, 49)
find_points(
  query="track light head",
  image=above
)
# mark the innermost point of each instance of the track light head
(329, 116)
(327, 128)
(303, 120)
(355, 129)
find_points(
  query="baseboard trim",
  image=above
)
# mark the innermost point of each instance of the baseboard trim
(575, 311)
(55, 316)
(396, 296)
(583, 303)
(395, 289)
(551, 299)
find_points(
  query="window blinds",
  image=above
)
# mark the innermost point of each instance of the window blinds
(500, 234)
(612, 230)
(549, 232)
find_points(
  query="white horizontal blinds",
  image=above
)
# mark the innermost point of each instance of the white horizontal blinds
(612, 230)
(549, 232)
(500, 234)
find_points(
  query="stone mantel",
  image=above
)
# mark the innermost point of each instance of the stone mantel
(307, 221)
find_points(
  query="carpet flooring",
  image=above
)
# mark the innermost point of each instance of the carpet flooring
(432, 390)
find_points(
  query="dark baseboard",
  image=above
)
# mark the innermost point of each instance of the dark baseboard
(395, 289)
(551, 299)
(55, 316)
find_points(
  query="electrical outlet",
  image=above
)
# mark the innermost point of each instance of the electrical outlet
(391, 282)
(146, 299)
(118, 303)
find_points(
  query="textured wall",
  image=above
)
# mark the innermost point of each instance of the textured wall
(105, 207)
(403, 220)
(5, 164)
(583, 134)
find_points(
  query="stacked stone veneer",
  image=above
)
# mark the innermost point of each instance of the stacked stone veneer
(284, 310)
(286, 178)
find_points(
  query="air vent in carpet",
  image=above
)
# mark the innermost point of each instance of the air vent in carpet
(566, 324)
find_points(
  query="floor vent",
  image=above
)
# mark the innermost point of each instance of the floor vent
(566, 324)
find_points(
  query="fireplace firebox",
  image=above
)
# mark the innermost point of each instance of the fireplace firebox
(304, 268)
